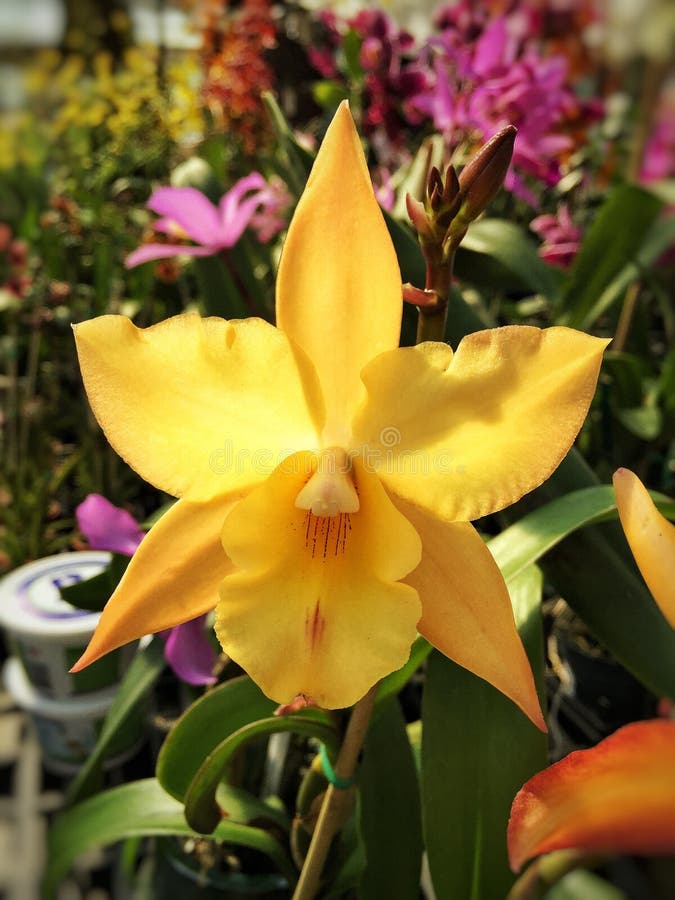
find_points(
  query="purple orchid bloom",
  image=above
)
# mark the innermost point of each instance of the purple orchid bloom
(560, 235)
(186, 212)
(187, 648)
(486, 71)
(659, 157)
(107, 527)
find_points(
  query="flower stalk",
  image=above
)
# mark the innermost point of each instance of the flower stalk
(547, 871)
(338, 801)
(443, 218)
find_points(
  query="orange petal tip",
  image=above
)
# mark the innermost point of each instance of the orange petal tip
(617, 797)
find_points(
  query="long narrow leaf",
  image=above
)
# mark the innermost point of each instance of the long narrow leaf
(478, 749)
(140, 677)
(389, 810)
(201, 809)
(140, 809)
(203, 726)
(593, 570)
(612, 243)
(528, 539)
(497, 252)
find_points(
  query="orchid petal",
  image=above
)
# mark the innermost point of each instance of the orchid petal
(466, 609)
(107, 527)
(467, 434)
(316, 607)
(339, 290)
(234, 211)
(651, 538)
(172, 577)
(199, 407)
(168, 226)
(190, 209)
(190, 654)
(147, 252)
(617, 797)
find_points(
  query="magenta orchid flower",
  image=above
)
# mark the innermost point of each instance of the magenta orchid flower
(187, 213)
(107, 527)
(561, 237)
(487, 72)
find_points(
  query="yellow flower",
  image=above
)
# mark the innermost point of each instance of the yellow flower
(651, 538)
(337, 472)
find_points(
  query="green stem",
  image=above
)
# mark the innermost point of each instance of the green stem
(548, 870)
(337, 802)
(432, 319)
(431, 324)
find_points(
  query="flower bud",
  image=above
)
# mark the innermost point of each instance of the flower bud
(480, 180)
(432, 218)
(418, 216)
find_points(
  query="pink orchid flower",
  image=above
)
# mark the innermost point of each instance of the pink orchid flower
(561, 237)
(186, 212)
(107, 527)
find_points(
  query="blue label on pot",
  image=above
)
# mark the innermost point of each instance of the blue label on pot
(39, 593)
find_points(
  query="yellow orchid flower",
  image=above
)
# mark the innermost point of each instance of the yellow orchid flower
(651, 538)
(327, 477)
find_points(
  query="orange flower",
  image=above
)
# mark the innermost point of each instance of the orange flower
(617, 797)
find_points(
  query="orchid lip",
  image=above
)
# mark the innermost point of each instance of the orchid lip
(330, 491)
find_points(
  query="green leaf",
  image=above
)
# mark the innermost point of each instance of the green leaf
(478, 749)
(94, 593)
(625, 373)
(594, 571)
(528, 539)
(243, 807)
(218, 288)
(136, 684)
(410, 258)
(463, 319)
(296, 160)
(350, 49)
(245, 268)
(667, 383)
(393, 683)
(644, 422)
(329, 94)
(215, 716)
(139, 809)
(389, 810)
(498, 254)
(201, 809)
(619, 243)
(347, 876)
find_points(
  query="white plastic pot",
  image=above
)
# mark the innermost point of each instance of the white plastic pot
(68, 729)
(49, 635)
